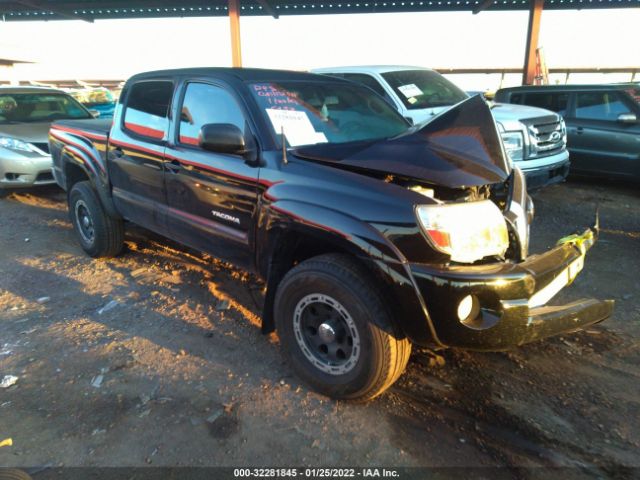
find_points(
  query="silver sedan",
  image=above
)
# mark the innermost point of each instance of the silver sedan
(26, 114)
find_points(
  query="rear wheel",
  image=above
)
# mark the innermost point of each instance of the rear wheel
(13, 474)
(99, 234)
(336, 331)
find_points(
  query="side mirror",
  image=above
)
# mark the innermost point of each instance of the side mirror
(222, 138)
(94, 113)
(627, 118)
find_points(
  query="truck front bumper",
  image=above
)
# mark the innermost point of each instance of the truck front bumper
(544, 171)
(509, 299)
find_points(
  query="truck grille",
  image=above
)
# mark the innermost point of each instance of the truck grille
(547, 138)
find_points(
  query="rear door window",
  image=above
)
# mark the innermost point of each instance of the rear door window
(147, 108)
(554, 101)
(603, 105)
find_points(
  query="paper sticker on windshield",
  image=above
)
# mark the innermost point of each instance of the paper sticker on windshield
(412, 100)
(410, 90)
(296, 125)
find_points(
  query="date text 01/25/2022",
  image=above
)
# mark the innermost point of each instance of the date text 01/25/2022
(373, 472)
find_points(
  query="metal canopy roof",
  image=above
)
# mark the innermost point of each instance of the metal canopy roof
(88, 10)
(8, 62)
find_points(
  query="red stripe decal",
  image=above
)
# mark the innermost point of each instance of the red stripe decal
(84, 160)
(266, 183)
(79, 132)
(81, 147)
(189, 140)
(210, 224)
(142, 130)
(211, 169)
(134, 147)
(309, 222)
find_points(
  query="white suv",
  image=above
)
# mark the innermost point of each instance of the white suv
(535, 138)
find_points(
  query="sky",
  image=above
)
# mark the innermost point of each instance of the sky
(119, 48)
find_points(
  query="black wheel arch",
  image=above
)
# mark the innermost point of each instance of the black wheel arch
(74, 171)
(306, 232)
(106, 236)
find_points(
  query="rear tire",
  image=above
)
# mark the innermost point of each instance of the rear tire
(13, 474)
(99, 234)
(336, 330)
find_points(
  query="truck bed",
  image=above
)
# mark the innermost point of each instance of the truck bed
(96, 126)
(86, 139)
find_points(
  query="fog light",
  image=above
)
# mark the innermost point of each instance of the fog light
(468, 308)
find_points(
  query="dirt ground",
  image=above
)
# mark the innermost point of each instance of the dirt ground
(156, 358)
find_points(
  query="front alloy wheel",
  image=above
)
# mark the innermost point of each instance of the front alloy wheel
(84, 222)
(326, 334)
(336, 330)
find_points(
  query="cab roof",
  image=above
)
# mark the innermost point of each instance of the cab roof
(242, 74)
(368, 69)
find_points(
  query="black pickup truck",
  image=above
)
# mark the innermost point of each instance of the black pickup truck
(371, 234)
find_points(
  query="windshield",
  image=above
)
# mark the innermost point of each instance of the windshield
(93, 97)
(39, 107)
(423, 89)
(326, 112)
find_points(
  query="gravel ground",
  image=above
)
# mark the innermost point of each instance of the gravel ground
(156, 358)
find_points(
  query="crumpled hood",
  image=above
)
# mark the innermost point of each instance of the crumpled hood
(458, 148)
(27, 132)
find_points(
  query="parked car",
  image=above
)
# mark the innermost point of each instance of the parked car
(534, 138)
(602, 123)
(370, 234)
(487, 94)
(26, 114)
(98, 99)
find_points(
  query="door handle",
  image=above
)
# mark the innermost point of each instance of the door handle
(173, 166)
(151, 165)
(117, 153)
(579, 130)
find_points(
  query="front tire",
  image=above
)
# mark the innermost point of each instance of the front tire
(100, 235)
(336, 331)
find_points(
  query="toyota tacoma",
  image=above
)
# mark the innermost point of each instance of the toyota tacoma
(371, 234)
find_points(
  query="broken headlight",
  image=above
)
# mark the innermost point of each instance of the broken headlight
(466, 231)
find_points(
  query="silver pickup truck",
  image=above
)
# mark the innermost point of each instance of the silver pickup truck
(535, 139)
